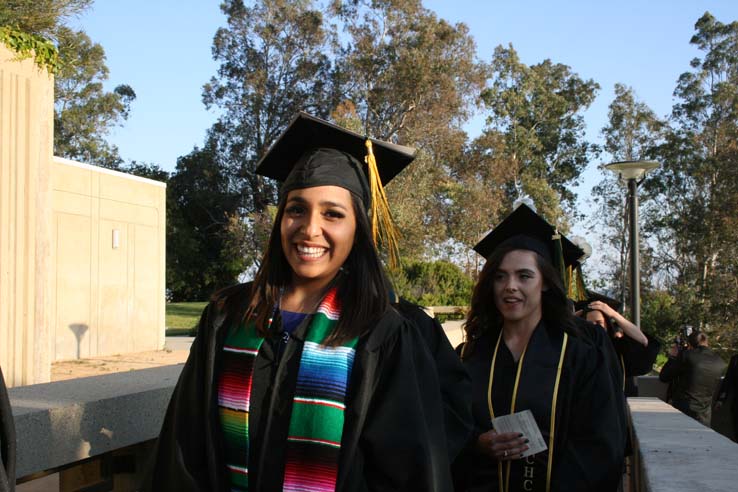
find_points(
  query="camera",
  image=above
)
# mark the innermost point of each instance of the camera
(681, 340)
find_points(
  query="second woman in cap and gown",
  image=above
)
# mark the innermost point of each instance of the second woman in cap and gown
(525, 351)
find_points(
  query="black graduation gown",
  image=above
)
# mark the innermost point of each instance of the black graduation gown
(728, 392)
(635, 359)
(587, 447)
(452, 376)
(393, 435)
(599, 339)
(7, 440)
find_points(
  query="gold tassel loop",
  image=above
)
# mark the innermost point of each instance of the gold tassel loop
(576, 289)
(384, 232)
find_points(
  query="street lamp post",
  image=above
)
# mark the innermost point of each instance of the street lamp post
(630, 172)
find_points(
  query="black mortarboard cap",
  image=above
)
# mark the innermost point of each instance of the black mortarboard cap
(313, 152)
(525, 229)
(596, 296)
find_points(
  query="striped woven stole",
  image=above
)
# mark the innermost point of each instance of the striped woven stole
(316, 424)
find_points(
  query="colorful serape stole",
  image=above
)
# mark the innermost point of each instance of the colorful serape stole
(234, 401)
(316, 424)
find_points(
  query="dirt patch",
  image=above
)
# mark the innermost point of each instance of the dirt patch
(96, 366)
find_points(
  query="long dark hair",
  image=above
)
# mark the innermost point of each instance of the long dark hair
(484, 316)
(362, 284)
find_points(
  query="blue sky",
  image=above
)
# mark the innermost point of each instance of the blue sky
(162, 49)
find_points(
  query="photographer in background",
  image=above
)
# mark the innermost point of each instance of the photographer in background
(693, 374)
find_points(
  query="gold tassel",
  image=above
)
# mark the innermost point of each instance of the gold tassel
(384, 231)
(581, 288)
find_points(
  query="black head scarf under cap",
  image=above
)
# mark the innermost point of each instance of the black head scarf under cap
(314, 152)
(322, 167)
(525, 229)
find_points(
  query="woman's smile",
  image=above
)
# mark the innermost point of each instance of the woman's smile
(311, 253)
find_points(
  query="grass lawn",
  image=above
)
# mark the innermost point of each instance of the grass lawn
(182, 317)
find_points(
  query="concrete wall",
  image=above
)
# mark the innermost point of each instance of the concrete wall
(60, 423)
(675, 453)
(108, 239)
(26, 143)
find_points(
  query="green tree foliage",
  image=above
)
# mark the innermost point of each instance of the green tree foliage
(205, 233)
(437, 283)
(84, 112)
(538, 109)
(146, 170)
(403, 75)
(272, 64)
(696, 189)
(25, 45)
(40, 17)
(476, 198)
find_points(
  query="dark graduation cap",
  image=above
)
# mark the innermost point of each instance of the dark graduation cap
(314, 152)
(525, 229)
(593, 296)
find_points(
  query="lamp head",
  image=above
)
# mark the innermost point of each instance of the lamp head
(628, 170)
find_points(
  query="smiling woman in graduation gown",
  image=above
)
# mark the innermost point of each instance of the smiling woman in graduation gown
(391, 438)
(347, 397)
(559, 375)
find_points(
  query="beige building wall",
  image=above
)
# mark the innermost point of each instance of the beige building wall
(26, 143)
(108, 239)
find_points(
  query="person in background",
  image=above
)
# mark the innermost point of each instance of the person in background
(636, 351)
(525, 351)
(693, 375)
(7, 440)
(728, 393)
(306, 378)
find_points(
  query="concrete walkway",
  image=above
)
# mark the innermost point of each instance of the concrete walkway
(178, 343)
(454, 332)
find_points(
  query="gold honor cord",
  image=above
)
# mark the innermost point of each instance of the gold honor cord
(553, 413)
(505, 484)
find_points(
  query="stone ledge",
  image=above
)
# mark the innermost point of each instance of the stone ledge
(678, 453)
(67, 421)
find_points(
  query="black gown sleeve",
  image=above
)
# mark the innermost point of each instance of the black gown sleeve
(7, 440)
(180, 457)
(638, 360)
(592, 458)
(402, 442)
(454, 381)
(671, 369)
(730, 380)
